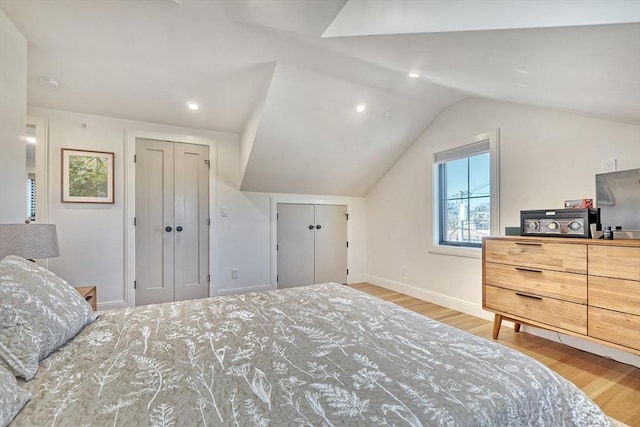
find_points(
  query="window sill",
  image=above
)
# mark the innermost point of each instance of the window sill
(456, 251)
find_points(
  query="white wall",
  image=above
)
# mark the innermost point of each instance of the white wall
(93, 237)
(95, 240)
(545, 158)
(245, 240)
(13, 116)
(250, 131)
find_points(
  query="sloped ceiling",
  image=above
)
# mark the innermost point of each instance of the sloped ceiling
(310, 128)
(316, 60)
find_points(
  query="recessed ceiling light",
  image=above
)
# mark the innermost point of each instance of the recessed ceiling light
(360, 108)
(31, 139)
(193, 106)
(523, 85)
(414, 75)
(49, 83)
(521, 71)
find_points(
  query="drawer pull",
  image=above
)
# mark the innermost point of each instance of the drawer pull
(528, 296)
(528, 244)
(528, 269)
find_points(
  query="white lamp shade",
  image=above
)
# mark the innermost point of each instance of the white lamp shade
(30, 241)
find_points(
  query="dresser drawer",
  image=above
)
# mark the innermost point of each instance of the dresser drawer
(612, 326)
(615, 294)
(570, 258)
(560, 314)
(620, 262)
(555, 284)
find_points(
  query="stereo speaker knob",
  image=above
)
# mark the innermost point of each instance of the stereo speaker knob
(575, 226)
(533, 226)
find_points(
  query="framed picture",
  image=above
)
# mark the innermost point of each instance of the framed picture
(87, 176)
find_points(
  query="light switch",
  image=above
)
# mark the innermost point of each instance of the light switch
(224, 211)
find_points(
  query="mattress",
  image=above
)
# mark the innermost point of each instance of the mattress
(316, 355)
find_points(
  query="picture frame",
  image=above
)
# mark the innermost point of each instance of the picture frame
(87, 176)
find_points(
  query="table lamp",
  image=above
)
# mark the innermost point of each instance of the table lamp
(30, 241)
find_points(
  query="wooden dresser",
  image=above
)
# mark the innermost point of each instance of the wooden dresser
(581, 287)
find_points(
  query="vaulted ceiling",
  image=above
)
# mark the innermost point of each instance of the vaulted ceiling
(288, 74)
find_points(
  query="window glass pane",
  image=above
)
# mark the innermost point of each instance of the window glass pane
(479, 184)
(456, 178)
(456, 228)
(464, 196)
(478, 219)
(31, 197)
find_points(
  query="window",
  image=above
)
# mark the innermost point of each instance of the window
(31, 197)
(465, 193)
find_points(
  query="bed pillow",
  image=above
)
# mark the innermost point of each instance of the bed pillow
(12, 397)
(24, 323)
(39, 312)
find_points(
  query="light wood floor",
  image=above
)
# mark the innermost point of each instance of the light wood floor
(614, 386)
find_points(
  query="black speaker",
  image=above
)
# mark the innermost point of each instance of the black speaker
(559, 222)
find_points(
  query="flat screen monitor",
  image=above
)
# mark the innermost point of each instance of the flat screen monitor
(618, 197)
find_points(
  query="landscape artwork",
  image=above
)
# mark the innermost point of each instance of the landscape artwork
(87, 176)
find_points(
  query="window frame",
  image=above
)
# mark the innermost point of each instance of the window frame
(483, 143)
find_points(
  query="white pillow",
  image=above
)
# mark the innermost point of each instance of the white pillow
(12, 397)
(39, 312)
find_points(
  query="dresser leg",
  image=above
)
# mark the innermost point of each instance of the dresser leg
(516, 327)
(497, 322)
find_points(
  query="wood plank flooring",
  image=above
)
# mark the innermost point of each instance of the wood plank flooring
(612, 385)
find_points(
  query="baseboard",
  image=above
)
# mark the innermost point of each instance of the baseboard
(478, 311)
(245, 290)
(356, 279)
(432, 297)
(588, 346)
(112, 305)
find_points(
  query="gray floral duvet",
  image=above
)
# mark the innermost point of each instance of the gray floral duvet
(321, 355)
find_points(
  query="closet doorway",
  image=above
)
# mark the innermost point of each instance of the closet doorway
(312, 244)
(171, 221)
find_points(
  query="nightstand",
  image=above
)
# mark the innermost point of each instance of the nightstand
(90, 294)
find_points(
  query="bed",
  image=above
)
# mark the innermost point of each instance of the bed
(317, 355)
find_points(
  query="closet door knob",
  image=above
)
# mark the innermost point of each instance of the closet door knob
(179, 228)
(318, 226)
(167, 229)
(311, 227)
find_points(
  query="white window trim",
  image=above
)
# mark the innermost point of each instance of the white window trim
(462, 251)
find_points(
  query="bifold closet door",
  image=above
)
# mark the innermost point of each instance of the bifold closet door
(296, 252)
(331, 244)
(312, 244)
(172, 214)
(154, 212)
(192, 221)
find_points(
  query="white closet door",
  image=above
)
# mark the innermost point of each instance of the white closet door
(154, 213)
(191, 221)
(296, 229)
(172, 221)
(312, 244)
(331, 244)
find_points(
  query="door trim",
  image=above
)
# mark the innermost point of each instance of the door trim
(42, 173)
(301, 199)
(131, 134)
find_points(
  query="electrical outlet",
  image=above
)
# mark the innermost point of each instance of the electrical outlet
(234, 273)
(403, 270)
(608, 165)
